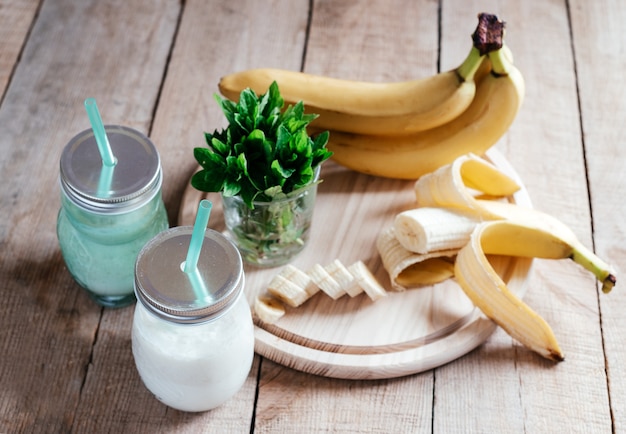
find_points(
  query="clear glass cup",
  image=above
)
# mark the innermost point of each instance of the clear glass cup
(271, 233)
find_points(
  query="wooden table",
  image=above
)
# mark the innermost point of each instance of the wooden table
(66, 364)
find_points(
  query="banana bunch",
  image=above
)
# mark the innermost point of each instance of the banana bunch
(455, 225)
(407, 129)
(292, 286)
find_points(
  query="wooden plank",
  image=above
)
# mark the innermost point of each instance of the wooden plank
(291, 401)
(115, 400)
(599, 43)
(115, 52)
(354, 40)
(16, 18)
(545, 147)
(215, 38)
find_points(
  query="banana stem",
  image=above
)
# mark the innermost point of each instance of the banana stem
(585, 257)
(500, 63)
(489, 33)
(470, 65)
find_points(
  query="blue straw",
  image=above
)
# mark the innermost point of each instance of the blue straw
(197, 236)
(108, 159)
(105, 180)
(198, 285)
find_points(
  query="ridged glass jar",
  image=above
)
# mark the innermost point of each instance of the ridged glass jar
(108, 214)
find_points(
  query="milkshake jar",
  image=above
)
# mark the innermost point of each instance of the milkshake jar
(192, 333)
(109, 212)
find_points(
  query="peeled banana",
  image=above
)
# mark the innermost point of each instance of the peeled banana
(455, 219)
(453, 184)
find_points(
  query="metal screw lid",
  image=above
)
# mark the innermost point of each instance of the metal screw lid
(165, 289)
(134, 180)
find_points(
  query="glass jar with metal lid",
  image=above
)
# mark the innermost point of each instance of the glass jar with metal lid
(192, 334)
(108, 213)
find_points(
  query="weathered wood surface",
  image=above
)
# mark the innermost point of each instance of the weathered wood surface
(66, 365)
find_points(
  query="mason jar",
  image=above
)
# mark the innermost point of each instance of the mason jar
(107, 213)
(192, 334)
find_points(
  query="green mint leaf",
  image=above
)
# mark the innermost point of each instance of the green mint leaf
(219, 147)
(231, 188)
(249, 109)
(207, 159)
(264, 150)
(276, 101)
(207, 181)
(280, 171)
(228, 107)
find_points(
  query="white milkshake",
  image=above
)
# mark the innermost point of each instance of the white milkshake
(192, 340)
(194, 367)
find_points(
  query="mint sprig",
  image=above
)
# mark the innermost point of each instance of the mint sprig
(265, 152)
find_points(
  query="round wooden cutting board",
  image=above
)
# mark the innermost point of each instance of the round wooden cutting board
(354, 338)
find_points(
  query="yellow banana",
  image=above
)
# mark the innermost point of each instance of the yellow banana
(368, 107)
(379, 108)
(499, 96)
(542, 236)
(490, 294)
(527, 237)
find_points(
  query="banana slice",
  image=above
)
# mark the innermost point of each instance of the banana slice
(367, 281)
(326, 282)
(287, 291)
(346, 280)
(300, 278)
(268, 309)
(428, 229)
